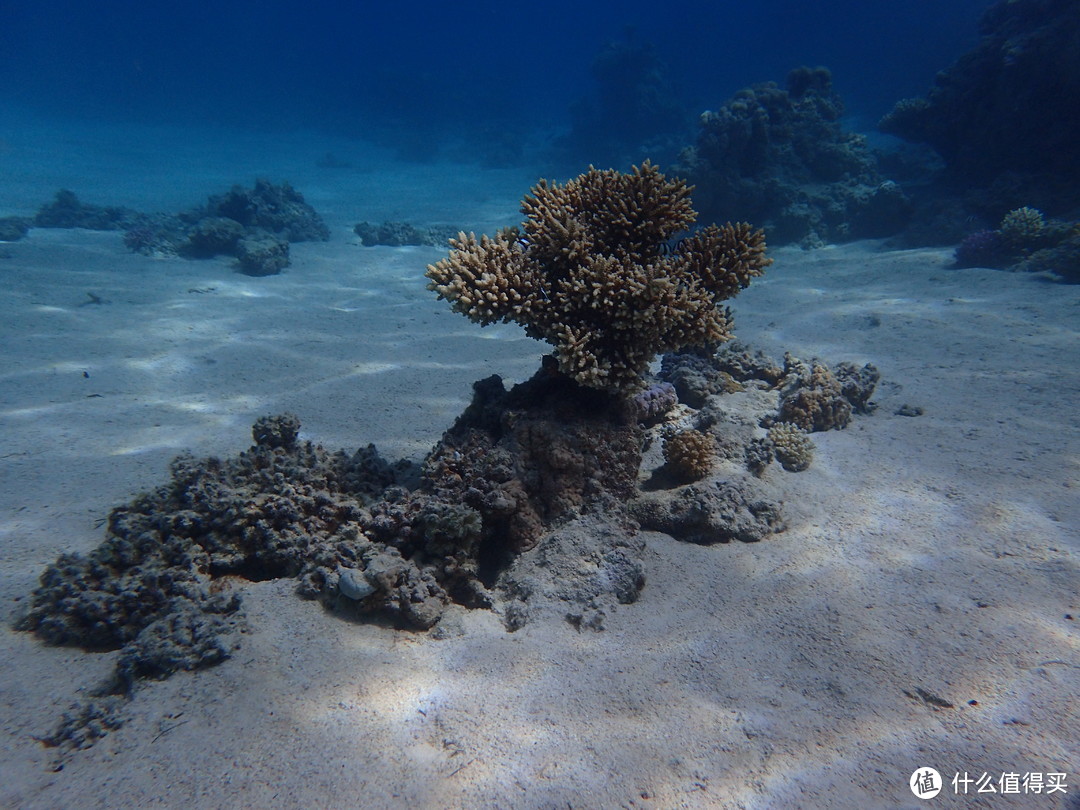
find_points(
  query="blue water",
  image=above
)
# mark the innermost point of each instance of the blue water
(353, 67)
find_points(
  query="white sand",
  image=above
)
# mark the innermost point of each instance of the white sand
(936, 553)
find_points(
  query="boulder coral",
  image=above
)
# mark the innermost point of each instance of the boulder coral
(596, 270)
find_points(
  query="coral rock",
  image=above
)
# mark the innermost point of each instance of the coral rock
(710, 512)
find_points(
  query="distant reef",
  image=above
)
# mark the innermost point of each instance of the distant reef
(14, 228)
(1003, 119)
(255, 225)
(780, 157)
(632, 112)
(1025, 241)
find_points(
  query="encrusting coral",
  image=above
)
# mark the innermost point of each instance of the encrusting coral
(594, 271)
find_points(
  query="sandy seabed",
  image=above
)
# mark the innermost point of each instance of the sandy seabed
(922, 609)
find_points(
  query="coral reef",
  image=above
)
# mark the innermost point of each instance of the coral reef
(794, 449)
(983, 248)
(594, 274)
(1062, 260)
(655, 402)
(254, 225)
(690, 454)
(278, 209)
(535, 454)
(808, 396)
(396, 234)
(356, 532)
(272, 511)
(550, 466)
(758, 455)
(212, 236)
(696, 376)
(1022, 227)
(1025, 241)
(780, 157)
(1001, 116)
(261, 253)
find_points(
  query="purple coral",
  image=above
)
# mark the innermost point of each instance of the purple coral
(655, 401)
(982, 249)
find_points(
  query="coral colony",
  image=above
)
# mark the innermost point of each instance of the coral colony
(590, 274)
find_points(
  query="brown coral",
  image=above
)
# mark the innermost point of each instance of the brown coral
(594, 273)
(813, 398)
(690, 455)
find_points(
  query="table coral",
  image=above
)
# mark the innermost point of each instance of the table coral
(594, 271)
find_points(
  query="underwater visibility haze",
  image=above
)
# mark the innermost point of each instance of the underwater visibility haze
(485, 405)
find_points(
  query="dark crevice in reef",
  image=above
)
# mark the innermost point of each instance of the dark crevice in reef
(252, 570)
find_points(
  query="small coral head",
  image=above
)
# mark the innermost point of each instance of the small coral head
(591, 271)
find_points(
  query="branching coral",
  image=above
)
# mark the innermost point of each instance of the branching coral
(593, 272)
(690, 454)
(1022, 227)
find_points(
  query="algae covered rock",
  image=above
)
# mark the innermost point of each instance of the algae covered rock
(710, 512)
(262, 254)
(579, 572)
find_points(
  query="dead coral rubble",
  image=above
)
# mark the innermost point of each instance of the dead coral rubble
(595, 274)
(579, 572)
(269, 512)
